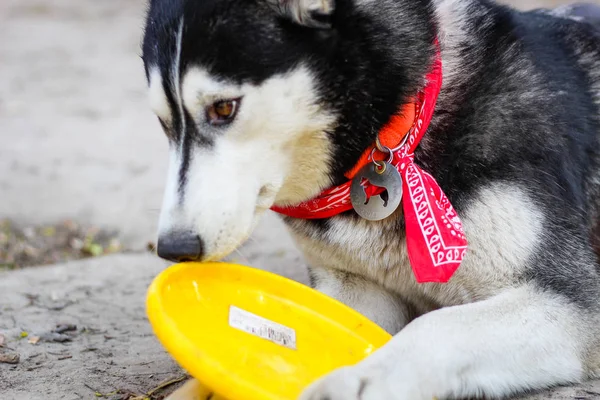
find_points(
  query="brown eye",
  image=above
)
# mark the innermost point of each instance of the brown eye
(222, 112)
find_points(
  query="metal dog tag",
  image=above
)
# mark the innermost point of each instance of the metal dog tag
(376, 208)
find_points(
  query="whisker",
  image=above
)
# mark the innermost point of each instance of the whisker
(243, 257)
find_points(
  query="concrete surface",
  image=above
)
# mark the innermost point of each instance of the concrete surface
(78, 139)
(113, 347)
(79, 142)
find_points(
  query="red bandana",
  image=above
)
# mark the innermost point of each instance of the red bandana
(435, 239)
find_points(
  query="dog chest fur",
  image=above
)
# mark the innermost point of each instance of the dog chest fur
(504, 228)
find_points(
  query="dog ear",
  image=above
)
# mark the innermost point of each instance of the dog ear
(309, 13)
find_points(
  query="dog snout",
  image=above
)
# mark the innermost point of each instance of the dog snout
(180, 246)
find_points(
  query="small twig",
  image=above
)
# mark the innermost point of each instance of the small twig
(56, 354)
(64, 358)
(136, 396)
(166, 384)
(97, 393)
(138, 374)
(89, 387)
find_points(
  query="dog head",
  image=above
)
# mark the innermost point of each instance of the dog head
(269, 102)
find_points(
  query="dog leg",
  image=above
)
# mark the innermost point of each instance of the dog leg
(366, 297)
(520, 339)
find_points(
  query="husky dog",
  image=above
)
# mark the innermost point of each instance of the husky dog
(269, 102)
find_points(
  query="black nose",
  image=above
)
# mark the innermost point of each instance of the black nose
(180, 247)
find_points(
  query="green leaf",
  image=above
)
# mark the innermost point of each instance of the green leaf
(96, 249)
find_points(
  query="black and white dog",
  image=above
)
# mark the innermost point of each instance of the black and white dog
(270, 102)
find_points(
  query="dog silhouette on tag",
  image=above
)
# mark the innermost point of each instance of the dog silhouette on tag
(376, 207)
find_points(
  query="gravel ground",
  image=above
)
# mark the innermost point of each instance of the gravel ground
(26, 246)
(83, 164)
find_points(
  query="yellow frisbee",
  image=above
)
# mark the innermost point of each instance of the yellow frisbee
(249, 334)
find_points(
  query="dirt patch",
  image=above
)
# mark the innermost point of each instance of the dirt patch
(79, 331)
(25, 246)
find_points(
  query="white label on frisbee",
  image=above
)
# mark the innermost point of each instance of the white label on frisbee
(262, 327)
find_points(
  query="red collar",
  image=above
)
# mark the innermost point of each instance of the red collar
(435, 240)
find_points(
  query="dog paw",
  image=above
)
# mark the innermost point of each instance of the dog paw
(354, 383)
(344, 383)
